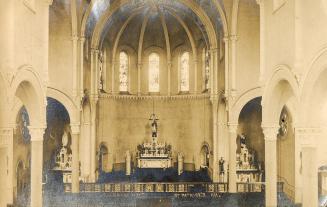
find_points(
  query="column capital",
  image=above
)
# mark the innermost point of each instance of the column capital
(75, 128)
(260, 2)
(232, 127)
(270, 132)
(95, 50)
(226, 39)
(48, 2)
(212, 50)
(233, 38)
(36, 132)
(75, 38)
(82, 38)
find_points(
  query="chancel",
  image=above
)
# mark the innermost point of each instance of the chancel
(163, 103)
(154, 154)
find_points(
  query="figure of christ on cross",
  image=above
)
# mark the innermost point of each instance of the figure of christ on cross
(154, 125)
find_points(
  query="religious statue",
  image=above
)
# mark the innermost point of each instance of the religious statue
(221, 166)
(242, 141)
(154, 125)
(221, 169)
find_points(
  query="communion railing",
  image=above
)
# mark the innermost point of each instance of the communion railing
(181, 187)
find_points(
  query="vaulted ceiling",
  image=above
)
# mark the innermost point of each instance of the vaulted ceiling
(179, 21)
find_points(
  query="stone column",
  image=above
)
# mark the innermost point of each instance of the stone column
(36, 165)
(75, 131)
(232, 177)
(6, 142)
(309, 166)
(270, 134)
(262, 39)
(195, 75)
(139, 68)
(94, 71)
(169, 78)
(226, 41)
(93, 139)
(214, 101)
(81, 65)
(214, 68)
(233, 40)
(74, 66)
(128, 163)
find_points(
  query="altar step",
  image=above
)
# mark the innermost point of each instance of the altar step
(102, 200)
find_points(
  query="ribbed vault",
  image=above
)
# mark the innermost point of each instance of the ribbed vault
(202, 19)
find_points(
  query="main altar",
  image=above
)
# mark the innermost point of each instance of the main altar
(154, 154)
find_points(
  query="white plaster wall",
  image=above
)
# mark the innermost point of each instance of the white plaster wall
(124, 123)
(60, 47)
(248, 46)
(313, 28)
(29, 36)
(279, 36)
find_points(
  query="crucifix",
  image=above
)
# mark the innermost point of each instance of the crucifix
(154, 125)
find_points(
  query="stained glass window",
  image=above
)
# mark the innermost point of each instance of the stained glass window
(154, 72)
(185, 72)
(123, 71)
(206, 69)
(23, 123)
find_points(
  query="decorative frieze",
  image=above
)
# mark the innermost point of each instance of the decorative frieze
(75, 128)
(270, 132)
(36, 133)
(157, 97)
(232, 128)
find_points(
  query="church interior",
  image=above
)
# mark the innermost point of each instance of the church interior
(163, 103)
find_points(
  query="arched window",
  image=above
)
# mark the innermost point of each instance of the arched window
(103, 158)
(154, 72)
(206, 68)
(123, 72)
(185, 72)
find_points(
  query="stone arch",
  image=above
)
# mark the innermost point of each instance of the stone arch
(242, 100)
(66, 101)
(219, 9)
(27, 86)
(282, 87)
(103, 157)
(204, 154)
(317, 67)
(190, 4)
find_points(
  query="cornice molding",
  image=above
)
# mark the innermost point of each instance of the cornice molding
(157, 97)
(308, 136)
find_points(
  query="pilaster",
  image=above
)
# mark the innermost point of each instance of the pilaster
(6, 142)
(232, 177)
(270, 133)
(36, 164)
(75, 132)
(308, 137)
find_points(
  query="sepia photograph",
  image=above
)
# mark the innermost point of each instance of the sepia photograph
(163, 103)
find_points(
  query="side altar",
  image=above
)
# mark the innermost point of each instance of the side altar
(154, 154)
